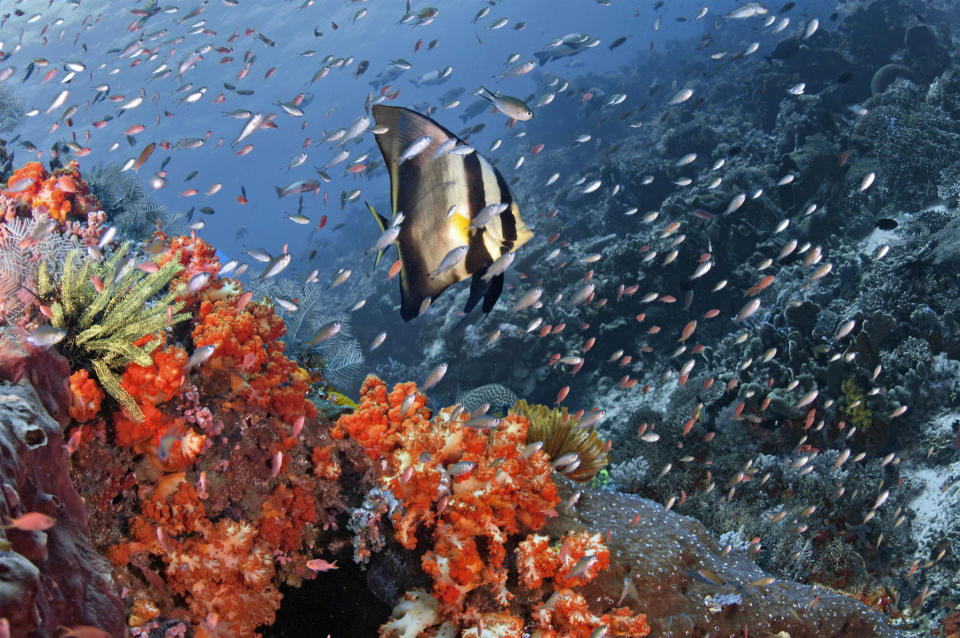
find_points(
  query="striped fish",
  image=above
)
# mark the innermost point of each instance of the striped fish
(425, 189)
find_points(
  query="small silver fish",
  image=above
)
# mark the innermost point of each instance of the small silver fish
(276, 266)
(416, 147)
(199, 356)
(198, 282)
(46, 336)
(326, 332)
(460, 468)
(341, 277)
(434, 377)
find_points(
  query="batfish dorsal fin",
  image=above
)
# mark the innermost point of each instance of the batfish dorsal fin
(404, 127)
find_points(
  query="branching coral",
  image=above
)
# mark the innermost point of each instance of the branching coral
(473, 488)
(561, 434)
(23, 247)
(476, 490)
(195, 255)
(129, 207)
(338, 359)
(105, 309)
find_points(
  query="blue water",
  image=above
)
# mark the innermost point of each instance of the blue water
(332, 102)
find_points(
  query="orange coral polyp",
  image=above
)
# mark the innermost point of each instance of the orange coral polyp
(248, 347)
(57, 194)
(195, 255)
(85, 397)
(30, 170)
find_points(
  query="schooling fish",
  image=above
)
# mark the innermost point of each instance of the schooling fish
(425, 189)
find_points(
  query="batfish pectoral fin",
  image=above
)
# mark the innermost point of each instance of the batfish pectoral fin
(383, 223)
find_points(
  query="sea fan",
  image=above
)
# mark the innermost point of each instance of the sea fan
(20, 263)
(11, 109)
(340, 357)
(128, 206)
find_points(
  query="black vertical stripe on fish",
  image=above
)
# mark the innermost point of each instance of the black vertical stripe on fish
(478, 257)
(473, 174)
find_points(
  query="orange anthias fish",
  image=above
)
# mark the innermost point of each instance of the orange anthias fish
(394, 269)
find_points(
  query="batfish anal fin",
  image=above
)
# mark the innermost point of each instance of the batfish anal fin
(492, 294)
(478, 288)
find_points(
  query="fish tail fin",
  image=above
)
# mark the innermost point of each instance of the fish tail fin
(542, 57)
(279, 192)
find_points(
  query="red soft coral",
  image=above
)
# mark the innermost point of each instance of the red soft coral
(567, 615)
(29, 171)
(286, 513)
(168, 439)
(226, 570)
(57, 194)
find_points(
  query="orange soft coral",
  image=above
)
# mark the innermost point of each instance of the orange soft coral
(567, 615)
(160, 382)
(250, 354)
(538, 561)
(32, 171)
(324, 465)
(196, 257)
(286, 514)
(226, 570)
(85, 397)
(151, 386)
(57, 194)
(168, 439)
(495, 492)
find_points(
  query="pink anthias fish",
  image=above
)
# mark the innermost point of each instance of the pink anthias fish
(321, 565)
(84, 631)
(31, 522)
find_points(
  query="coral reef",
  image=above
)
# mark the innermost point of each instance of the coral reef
(477, 490)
